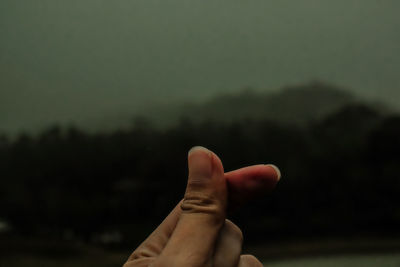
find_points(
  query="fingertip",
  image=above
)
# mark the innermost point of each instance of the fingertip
(206, 154)
(277, 171)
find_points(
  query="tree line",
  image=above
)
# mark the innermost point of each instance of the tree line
(340, 176)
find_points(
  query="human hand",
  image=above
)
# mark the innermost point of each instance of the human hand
(196, 232)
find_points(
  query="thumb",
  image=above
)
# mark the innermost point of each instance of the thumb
(203, 212)
(206, 190)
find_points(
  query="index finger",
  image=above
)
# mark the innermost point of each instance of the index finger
(250, 182)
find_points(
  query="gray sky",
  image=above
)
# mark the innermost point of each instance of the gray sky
(90, 61)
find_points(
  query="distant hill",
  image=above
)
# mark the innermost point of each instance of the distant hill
(291, 105)
(296, 105)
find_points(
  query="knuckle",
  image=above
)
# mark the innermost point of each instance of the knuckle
(147, 251)
(199, 203)
(138, 254)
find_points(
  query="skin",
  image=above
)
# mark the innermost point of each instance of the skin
(196, 232)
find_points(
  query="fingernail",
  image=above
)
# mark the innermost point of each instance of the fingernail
(278, 172)
(199, 159)
(196, 148)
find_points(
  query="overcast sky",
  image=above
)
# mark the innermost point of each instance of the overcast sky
(92, 60)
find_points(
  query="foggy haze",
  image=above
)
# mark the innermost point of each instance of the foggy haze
(89, 61)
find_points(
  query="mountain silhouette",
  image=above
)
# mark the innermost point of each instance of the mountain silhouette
(292, 105)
